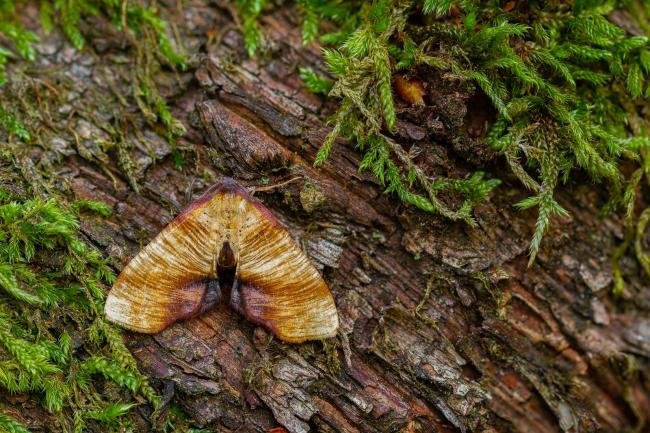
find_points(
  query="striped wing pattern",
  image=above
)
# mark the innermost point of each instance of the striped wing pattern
(278, 287)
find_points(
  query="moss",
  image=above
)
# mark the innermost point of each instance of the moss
(562, 79)
(627, 367)
(255, 376)
(423, 302)
(311, 197)
(179, 422)
(489, 283)
(10, 425)
(330, 348)
(46, 267)
(37, 119)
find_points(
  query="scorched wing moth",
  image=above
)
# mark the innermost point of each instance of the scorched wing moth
(224, 247)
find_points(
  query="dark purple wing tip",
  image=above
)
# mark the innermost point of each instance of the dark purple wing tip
(226, 185)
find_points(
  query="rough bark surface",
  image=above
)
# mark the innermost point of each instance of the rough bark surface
(443, 327)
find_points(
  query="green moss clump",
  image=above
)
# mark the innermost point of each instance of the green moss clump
(566, 82)
(311, 197)
(58, 359)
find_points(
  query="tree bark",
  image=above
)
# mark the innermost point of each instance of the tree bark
(443, 327)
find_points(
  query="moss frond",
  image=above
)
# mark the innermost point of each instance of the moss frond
(10, 425)
(314, 82)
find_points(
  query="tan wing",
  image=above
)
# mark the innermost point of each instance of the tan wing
(165, 282)
(280, 288)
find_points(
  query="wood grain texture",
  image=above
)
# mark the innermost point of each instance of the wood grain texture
(427, 321)
(275, 285)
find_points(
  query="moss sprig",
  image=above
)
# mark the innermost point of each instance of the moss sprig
(10, 425)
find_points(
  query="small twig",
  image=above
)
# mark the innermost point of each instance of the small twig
(265, 188)
(189, 191)
(347, 352)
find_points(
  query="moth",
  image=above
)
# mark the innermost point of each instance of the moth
(224, 247)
